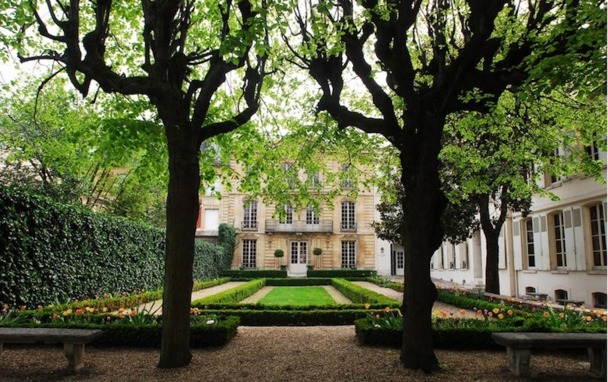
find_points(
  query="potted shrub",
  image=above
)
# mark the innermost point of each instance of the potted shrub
(317, 252)
(278, 253)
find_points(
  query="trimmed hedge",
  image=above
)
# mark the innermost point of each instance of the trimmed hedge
(342, 273)
(396, 286)
(225, 307)
(116, 302)
(149, 335)
(232, 296)
(362, 295)
(445, 338)
(56, 253)
(248, 274)
(284, 317)
(298, 281)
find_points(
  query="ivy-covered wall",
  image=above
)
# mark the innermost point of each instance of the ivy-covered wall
(53, 253)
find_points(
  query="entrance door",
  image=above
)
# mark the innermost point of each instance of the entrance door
(399, 263)
(299, 257)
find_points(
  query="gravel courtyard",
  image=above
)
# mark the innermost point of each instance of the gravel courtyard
(280, 354)
(320, 353)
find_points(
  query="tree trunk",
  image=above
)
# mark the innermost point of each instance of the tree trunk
(423, 207)
(182, 209)
(491, 230)
(492, 279)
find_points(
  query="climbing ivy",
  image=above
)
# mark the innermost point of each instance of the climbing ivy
(54, 253)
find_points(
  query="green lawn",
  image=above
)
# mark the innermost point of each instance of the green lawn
(300, 296)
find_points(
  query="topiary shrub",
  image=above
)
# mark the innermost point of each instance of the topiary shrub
(248, 274)
(342, 273)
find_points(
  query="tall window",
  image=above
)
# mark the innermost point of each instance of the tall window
(313, 179)
(529, 237)
(592, 151)
(249, 253)
(250, 216)
(289, 176)
(287, 217)
(348, 255)
(312, 217)
(552, 178)
(465, 262)
(560, 240)
(453, 257)
(347, 181)
(399, 259)
(598, 235)
(348, 216)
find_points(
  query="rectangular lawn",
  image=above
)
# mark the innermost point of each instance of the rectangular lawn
(300, 296)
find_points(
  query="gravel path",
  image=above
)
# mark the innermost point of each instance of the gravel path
(439, 308)
(281, 354)
(155, 307)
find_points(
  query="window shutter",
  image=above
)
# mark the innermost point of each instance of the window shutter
(576, 217)
(567, 219)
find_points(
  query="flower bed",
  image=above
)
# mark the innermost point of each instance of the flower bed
(129, 327)
(452, 329)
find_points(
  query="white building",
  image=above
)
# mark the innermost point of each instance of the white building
(558, 250)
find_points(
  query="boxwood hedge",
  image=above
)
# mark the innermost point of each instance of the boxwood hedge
(149, 335)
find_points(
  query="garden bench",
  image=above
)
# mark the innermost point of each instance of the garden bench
(73, 340)
(519, 345)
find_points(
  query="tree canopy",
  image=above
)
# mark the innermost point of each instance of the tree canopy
(411, 64)
(102, 156)
(418, 62)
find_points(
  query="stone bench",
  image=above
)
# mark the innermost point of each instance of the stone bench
(73, 340)
(519, 345)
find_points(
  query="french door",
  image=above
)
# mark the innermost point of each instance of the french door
(298, 256)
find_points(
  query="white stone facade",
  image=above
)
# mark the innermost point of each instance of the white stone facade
(559, 249)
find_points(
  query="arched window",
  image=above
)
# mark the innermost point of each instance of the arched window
(599, 300)
(530, 289)
(560, 296)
